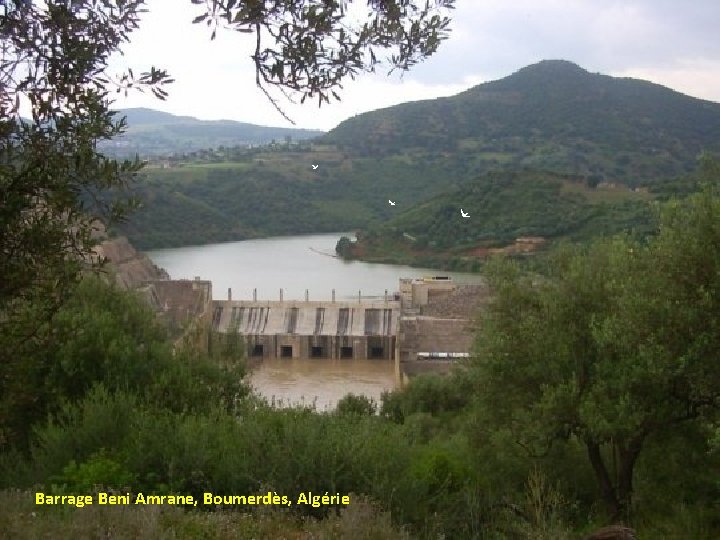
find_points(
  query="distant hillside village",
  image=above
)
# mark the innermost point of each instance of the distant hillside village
(154, 135)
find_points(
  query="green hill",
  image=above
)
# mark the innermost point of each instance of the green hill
(272, 192)
(552, 116)
(506, 205)
(155, 133)
(502, 207)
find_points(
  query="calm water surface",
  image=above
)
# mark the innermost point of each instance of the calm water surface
(297, 263)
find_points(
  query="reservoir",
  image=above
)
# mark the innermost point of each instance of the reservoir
(296, 264)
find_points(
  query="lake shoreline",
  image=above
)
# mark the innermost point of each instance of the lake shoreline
(298, 265)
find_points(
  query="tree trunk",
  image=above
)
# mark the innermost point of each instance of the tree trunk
(628, 458)
(607, 489)
(617, 498)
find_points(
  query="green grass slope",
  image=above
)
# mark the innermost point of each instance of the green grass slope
(505, 205)
(274, 193)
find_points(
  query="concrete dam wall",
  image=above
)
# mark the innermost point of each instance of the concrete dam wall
(296, 329)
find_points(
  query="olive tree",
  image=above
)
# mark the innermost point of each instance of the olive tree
(54, 108)
(617, 343)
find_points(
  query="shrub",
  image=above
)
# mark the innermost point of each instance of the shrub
(98, 470)
(356, 405)
(433, 394)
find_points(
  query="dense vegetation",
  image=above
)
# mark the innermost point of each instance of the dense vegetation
(503, 207)
(211, 198)
(586, 375)
(613, 348)
(272, 191)
(103, 336)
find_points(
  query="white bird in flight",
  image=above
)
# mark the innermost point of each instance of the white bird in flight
(391, 203)
(314, 167)
(463, 213)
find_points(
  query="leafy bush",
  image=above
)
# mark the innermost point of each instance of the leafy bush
(356, 405)
(102, 422)
(107, 336)
(427, 393)
(98, 470)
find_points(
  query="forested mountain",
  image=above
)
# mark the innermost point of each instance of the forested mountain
(606, 136)
(552, 114)
(156, 133)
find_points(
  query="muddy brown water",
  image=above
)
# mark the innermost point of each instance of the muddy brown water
(321, 382)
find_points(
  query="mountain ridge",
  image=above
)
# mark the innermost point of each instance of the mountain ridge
(585, 116)
(146, 115)
(153, 133)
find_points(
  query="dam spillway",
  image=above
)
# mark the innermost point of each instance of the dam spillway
(311, 329)
(425, 326)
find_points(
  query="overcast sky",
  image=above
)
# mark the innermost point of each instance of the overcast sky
(671, 42)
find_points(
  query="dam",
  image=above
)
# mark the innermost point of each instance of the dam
(425, 327)
(311, 329)
(310, 350)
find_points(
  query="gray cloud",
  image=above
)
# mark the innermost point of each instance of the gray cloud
(498, 37)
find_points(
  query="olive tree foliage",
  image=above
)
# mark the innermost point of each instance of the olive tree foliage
(618, 343)
(308, 49)
(55, 96)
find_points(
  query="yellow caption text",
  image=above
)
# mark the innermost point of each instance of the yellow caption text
(208, 499)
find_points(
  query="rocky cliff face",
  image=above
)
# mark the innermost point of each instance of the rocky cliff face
(131, 268)
(185, 307)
